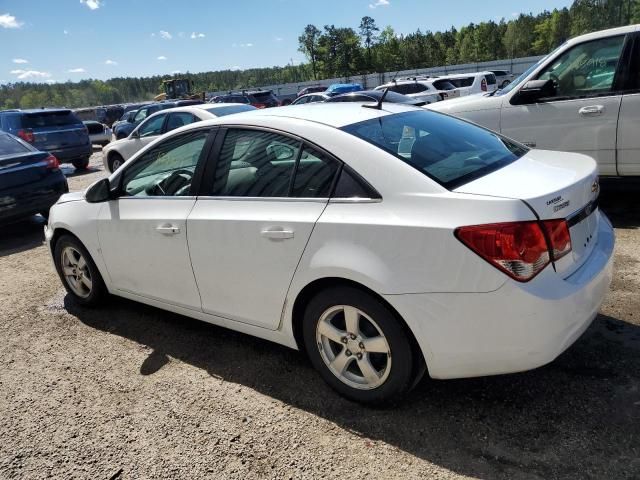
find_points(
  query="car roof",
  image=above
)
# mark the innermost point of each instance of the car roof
(40, 110)
(604, 33)
(335, 115)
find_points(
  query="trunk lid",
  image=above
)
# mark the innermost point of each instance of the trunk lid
(555, 185)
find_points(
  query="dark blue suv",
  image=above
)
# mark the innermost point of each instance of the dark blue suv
(55, 130)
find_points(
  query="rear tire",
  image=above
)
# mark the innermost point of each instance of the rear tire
(79, 274)
(81, 164)
(358, 345)
(115, 161)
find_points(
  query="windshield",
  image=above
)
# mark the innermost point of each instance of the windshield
(449, 150)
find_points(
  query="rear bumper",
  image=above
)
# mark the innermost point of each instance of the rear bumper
(515, 328)
(66, 155)
(35, 198)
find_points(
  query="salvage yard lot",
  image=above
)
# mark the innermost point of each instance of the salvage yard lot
(134, 392)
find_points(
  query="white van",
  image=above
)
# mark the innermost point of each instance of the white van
(583, 97)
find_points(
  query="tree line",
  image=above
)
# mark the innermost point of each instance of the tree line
(346, 51)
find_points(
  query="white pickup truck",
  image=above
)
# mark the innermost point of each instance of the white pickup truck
(583, 97)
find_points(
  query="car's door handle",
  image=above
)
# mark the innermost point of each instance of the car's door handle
(277, 233)
(168, 229)
(591, 110)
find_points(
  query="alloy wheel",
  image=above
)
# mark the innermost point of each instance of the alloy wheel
(76, 272)
(353, 347)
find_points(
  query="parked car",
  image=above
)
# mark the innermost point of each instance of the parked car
(339, 88)
(375, 96)
(472, 83)
(569, 101)
(258, 98)
(420, 89)
(314, 89)
(55, 130)
(385, 243)
(99, 134)
(122, 130)
(159, 123)
(310, 98)
(503, 77)
(30, 180)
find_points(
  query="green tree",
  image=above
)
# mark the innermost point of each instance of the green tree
(308, 45)
(368, 29)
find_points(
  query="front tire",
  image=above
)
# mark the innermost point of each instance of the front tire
(115, 161)
(358, 345)
(79, 274)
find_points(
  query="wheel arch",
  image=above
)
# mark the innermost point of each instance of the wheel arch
(313, 288)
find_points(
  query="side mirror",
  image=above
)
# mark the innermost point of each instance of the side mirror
(534, 90)
(99, 192)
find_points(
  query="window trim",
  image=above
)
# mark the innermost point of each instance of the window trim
(198, 173)
(615, 85)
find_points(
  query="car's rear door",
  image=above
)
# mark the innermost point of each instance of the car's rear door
(582, 116)
(142, 233)
(248, 230)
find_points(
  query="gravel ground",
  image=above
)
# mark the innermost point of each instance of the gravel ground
(130, 391)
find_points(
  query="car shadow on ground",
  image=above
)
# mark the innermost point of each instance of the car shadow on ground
(575, 418)
(22, 235)
(620, 200)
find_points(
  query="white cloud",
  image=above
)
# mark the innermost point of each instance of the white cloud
(26, 74)
(66, 32)
(162, 57)
(235, 67)
(51, 81)
(379, 3)
(278, 39)
(9, 21)
(195, 35)
(242, 45)
(166, 35)
(20, 60)
(110, 62)
(76, 70)
(175, 72)
(153, 34)
(92, 4)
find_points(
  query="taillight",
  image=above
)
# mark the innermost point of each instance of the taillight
(26, 135)
(559, 237)
(519, 249)
(483, 85)
(52, 162)
(259, 105)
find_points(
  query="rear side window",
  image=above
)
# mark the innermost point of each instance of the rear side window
(314, 174)
(444, 85)
(10, 146)
(462, 82)
(491, 79)
(450, 151)
(50, 119)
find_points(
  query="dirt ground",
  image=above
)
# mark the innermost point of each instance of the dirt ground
(130, 391)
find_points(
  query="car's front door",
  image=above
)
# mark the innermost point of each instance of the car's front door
(247, 236)
(143, 234)
(143, 135)
(582, 115)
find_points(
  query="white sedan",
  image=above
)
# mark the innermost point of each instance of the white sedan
(118, 152)
(383, 242)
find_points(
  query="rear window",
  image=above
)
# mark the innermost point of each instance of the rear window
(11, 146)
(491, 79)
(50, 119)
(261, 96)
(228, 110)
(462, 82)
(450, 151)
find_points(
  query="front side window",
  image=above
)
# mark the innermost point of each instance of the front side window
(167, 169)
(450, 151)
(151, 127)
(585, 70)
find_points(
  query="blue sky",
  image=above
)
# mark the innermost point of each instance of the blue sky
(59, 40)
